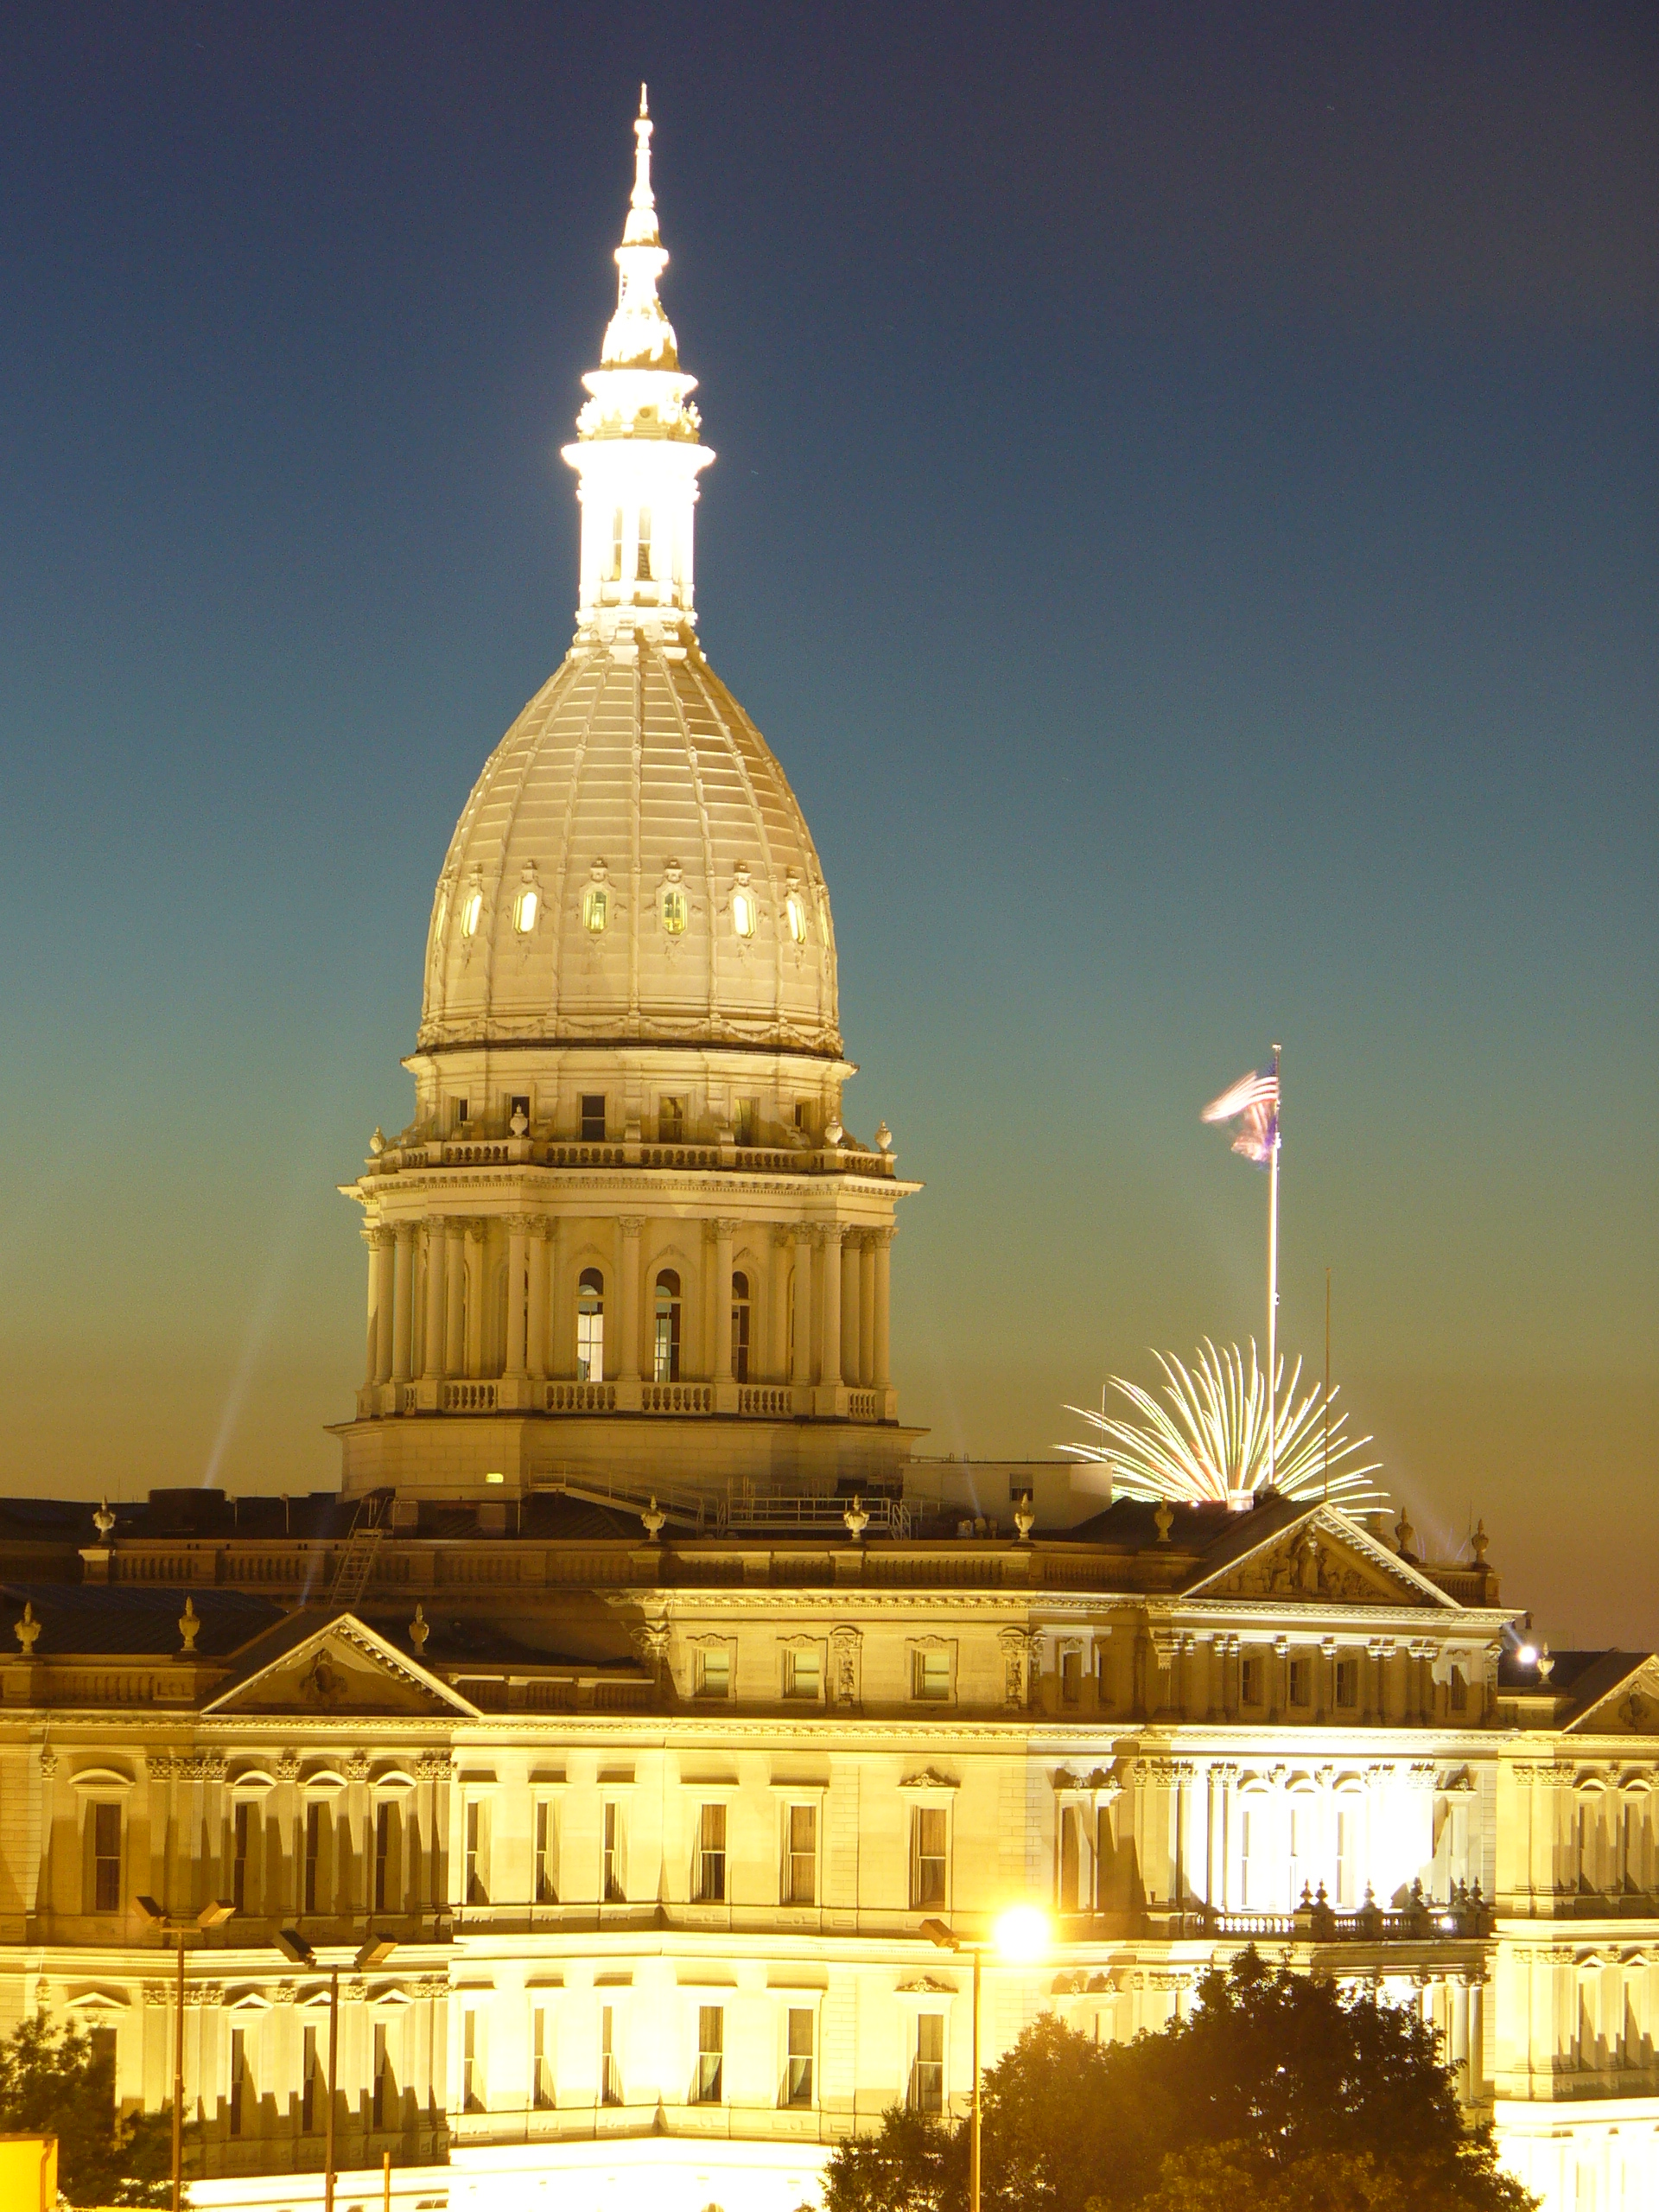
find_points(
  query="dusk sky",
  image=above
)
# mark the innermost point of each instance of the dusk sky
(1187, 519)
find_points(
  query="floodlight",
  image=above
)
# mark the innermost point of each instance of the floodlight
(375, 1953)
(292, 1945)
(1022, 1933)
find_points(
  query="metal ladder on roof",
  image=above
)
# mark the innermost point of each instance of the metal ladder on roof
(356, 1565)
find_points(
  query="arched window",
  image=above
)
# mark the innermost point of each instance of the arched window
(643, 571)
(472, 907)
(665, 1358)
(594, 907)
(525, 907)
(590, 1326)
(615, 575)
(672, 909)
(795, 915)
(740, 1327)
(743, 912)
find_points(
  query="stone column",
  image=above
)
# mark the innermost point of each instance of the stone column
(517, 1244)
(402, 1304)
(777, 1362)
(849, 1330)
(633, 1249)
(829, 1314)
(724, 1231)
(536, 1311)
(476, 1240)
(803, 1375)
(866, 1310)
(380, 1263)
(454, 1295)
(436, 1241)
(883, 1371)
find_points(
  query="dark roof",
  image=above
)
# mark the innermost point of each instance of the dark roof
(89, 1618)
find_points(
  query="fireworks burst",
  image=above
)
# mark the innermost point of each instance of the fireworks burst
(1209, 1443)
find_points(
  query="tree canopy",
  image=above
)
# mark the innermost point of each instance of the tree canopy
(1279, 2090)
(56, 2081)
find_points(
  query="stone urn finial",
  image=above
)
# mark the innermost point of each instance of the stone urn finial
(189, 1626)
(378, 1142)
(519, 1122)
(1546, 1664)
(856, 1518)
(1164, 1520)
(104, 1521)
(419, 1629)
(883, 1138)
(1478, 1542)
(1404, 1535)
(1023, 1519)
(27, 1630)
(654, 1519)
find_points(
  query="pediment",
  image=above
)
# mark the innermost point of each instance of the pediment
(1324, 1558)
(1629, 1706)
(343, 1668)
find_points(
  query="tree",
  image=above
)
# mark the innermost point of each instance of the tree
(1278, 2091)
(58, 2081)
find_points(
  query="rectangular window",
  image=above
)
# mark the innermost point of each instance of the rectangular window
(387, 1887)
(1301, 1681)
(1347, 1859)
(1458, 1696)
(710, 1876)
(714, 1671)
(547, 1852)
(241, 1841)
(804, 1673)
(930, 1675)
(804, 1117)
(315, 1871)
(711, 2053)
(671, 1121)
(927, 2068)
(541, 2058)
(1073, 1861)
(463, 1111)
(746, 1119)
(106, 1858)
(238, 2069)
(1300, 1868)
(593, 1118)
(309, 2082)
(797, 2067)
(610, 2075)
(928, 1833)
(614, 1872)
(1071, 1677)
(1250, 1872)
(471, 2062)
(800, 1854)
(102, 2043)
(478, 1853)
(1105, 1692)
(380, 2094)
(1347, 1684)
(1249, 1681)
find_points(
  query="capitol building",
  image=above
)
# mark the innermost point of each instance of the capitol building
(615, 1728)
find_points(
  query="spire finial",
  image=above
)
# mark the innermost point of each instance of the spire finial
(642, 128)
(643, 109)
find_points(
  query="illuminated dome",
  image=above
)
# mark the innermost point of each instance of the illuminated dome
(632, 863)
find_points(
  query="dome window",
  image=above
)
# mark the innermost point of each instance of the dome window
(665, 1349)
(595, 906)
(590, 1326)
(795, 915)
(673, 909)
(472, 907)
(525, 907)
(743, 912)
(643, 566)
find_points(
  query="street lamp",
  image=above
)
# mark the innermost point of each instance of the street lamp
(211, 1915)
(1018, 1936)
(374, 1953)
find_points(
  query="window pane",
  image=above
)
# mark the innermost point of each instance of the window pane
(797, 2083)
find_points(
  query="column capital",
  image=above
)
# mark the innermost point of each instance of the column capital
(630, 1223)
(475, 1228)
(881, 1238)
(377, 1237)
(404, 1231)
(519, 1225)
(781, 1238)
(725, 1225)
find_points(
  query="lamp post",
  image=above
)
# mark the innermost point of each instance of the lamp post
(211, 1915)
(1019, 1935)
(374, 1953)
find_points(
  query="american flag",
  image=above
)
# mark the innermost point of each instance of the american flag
(1252, 1102)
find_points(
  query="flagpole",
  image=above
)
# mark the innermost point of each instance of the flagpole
(1273, 1274)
